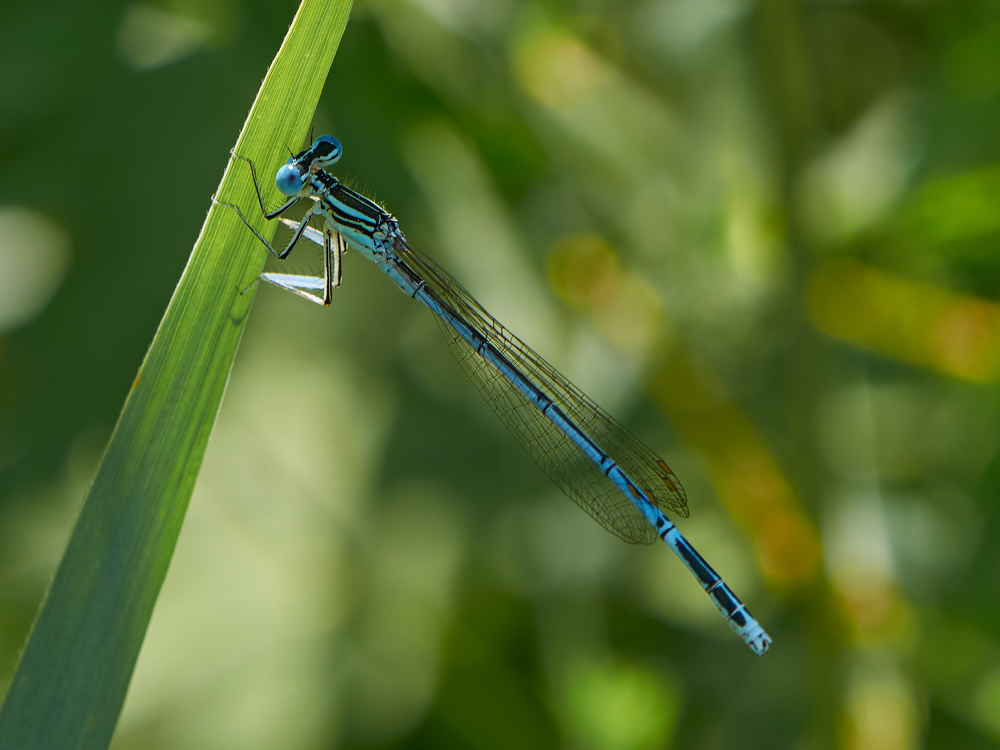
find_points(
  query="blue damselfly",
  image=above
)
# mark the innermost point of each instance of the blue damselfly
(605, 469)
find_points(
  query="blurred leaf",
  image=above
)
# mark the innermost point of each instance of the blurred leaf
(974, 595)
(72, 679)
(961, 206)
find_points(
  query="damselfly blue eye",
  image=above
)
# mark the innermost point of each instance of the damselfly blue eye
(288, 179)
(325, 150)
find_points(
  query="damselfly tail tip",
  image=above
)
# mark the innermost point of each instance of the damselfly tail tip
(758, 641)
(750, 631)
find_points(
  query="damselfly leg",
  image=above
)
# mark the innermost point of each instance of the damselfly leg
(333, 244)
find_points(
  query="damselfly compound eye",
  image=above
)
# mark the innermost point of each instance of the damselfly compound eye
(326, 150)
(288, 179)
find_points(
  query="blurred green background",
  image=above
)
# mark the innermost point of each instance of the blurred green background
(762, 234)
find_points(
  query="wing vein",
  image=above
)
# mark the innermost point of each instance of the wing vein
(554, 452)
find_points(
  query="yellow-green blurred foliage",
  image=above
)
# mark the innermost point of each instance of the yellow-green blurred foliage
(764, 235)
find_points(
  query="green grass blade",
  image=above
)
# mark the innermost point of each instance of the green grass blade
(71, 681)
